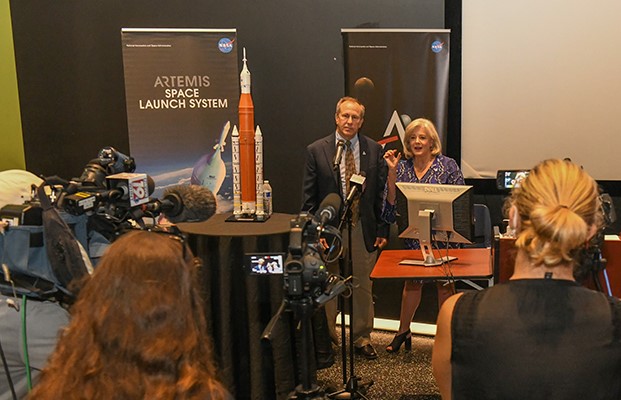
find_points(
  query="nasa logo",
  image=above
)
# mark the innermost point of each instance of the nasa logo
(225, 45)
(437, 46)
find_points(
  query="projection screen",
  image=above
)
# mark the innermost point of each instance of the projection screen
(541, 79)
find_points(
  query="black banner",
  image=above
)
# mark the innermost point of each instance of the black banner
(399, 75)
(182, 92)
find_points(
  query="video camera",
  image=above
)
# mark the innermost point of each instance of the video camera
(114, 198)
(591, 260)
(107, 180)
(109, 161)
(305, 271)
(308, 285)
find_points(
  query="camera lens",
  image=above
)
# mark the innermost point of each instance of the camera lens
(94, 174)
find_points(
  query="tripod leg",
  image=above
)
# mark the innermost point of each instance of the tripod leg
(308, 389)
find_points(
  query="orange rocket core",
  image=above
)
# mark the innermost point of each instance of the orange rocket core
(246, 148)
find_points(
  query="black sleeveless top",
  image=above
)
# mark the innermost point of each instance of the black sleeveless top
(536, 339)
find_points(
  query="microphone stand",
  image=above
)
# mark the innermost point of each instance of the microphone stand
(352, 388)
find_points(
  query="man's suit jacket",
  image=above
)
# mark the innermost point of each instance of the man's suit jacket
(320, 179)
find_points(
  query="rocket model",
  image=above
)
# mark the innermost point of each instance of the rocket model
(236, 172)
(246, 143)
(258, 152)
(247, 152)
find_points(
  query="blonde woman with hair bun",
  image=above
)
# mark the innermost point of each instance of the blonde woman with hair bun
(540, 335)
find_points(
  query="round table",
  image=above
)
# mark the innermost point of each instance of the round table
(238, 306)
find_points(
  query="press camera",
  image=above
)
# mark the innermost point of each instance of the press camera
(305, 271)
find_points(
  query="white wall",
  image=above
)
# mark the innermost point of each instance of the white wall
(541, 79)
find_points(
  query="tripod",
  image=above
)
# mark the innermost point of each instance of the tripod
(353, 389)
(302, 309)
(599, 265)
(308, 389)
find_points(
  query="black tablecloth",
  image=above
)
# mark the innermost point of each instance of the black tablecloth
(238, 306)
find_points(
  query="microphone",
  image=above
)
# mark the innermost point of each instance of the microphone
(329, 209)
(131, 188)
(356, 187)
(185, 203)
(339, 154)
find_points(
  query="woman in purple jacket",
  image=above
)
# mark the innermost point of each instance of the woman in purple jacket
(423, 163)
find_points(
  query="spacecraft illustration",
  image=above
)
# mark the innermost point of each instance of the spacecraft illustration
(247, 155)
(213, 172)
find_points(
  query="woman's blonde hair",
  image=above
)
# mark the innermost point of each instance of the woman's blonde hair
(557, 204)
(430, 129)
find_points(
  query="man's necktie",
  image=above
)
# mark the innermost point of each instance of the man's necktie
(350, 169)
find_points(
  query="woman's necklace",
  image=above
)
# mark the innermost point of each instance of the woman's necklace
(420, 172)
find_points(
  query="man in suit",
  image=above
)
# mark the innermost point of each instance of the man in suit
(369, 232)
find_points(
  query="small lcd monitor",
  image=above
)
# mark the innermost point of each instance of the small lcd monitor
(265, 263)
(433, 212)
(509, 179)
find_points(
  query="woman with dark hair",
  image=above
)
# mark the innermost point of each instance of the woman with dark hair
(138, 329)
(540, 335)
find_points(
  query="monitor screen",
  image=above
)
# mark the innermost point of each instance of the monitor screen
(265, 263)
(509, 179)
(450, 207)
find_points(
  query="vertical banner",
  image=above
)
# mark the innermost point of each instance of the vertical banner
(399, 75)
(182, 90)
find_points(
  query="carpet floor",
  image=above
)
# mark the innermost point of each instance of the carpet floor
(405, 375)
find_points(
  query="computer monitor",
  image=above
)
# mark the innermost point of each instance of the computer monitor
(433, 212)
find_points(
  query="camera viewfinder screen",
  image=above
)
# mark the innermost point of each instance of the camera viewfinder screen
(509, 179)
(266, 263)
(514, 178)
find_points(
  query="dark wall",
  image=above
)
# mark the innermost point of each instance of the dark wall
(70, 71)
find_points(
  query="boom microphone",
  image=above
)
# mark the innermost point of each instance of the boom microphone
(185, 203)
(339, 154)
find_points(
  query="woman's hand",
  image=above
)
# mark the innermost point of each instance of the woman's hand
(392, 158)
(380, 242)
